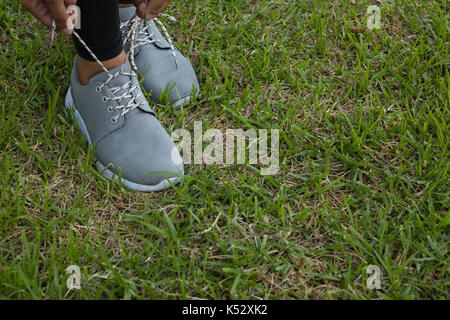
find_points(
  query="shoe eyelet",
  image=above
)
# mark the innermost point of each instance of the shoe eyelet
(110, 109)
(113, 119)
(98, 89)
(105, 99)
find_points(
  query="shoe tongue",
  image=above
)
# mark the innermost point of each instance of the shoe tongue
(121, 77)
(153, 29)
(126, 13)
(120, 80)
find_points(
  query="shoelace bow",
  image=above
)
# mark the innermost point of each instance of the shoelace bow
(138, 28)
(128, 94)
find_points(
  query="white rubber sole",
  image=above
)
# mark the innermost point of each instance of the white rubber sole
(182, 102)
(186, 100)
(165, 184)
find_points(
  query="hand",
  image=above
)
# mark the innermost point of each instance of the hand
(48, 10)
(150, 9)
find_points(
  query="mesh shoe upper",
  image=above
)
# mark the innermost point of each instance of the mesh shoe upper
(163, 68)
(124, 129)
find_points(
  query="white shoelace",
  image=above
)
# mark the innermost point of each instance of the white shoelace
(138, 28)
(128, 94)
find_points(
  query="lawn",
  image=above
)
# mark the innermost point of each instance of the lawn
(363, 180)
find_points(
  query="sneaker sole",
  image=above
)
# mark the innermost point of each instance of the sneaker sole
(182, 101)
(186, 100)
(165, 184)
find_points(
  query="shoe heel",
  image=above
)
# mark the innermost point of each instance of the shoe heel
(69, 104)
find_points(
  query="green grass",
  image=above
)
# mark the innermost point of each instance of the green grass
(363, 119)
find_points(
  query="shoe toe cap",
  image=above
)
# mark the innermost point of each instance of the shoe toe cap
(164, 80)
(144, 169)
(142, 153)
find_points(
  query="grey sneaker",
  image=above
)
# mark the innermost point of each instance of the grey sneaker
(164, 71)
(113, 115)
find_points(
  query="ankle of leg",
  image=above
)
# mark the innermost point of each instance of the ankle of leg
(87, 69)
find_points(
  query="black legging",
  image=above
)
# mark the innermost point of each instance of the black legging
(100, 29)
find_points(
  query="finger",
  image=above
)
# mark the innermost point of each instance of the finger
(58, 12)
(155, 7)
(141, 6)
(69, 26)
(39, 10)
(141, 10)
